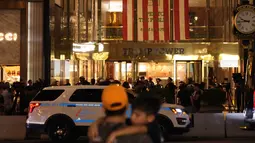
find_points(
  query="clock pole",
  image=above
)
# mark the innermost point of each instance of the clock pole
(250, 76)
(253, 76)
(253, 68)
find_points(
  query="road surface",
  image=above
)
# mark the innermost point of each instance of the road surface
(193, 140)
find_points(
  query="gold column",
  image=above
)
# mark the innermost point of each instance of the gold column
(133, 71)
(120, 74)
(90, 70)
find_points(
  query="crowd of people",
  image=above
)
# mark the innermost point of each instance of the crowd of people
(15, 98)
(186, 94)
(142, 125)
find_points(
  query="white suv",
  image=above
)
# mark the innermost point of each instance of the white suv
(65, 112)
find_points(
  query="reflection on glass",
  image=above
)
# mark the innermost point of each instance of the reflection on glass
(111, 20)
(189, 69)
(116, 70)
(198, 19)
(56, 68)
(156, 70)
(181, 72)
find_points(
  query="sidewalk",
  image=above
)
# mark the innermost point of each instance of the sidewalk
(211, 109)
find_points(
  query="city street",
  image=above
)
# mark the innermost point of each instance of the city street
(193, 140)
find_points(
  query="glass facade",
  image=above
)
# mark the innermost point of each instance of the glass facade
(101, 21)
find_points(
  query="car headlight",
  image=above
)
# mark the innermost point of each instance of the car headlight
(177, 111)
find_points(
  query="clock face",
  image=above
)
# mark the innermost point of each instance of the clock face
(245, 21)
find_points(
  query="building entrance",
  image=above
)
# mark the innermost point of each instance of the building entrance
(189, 69)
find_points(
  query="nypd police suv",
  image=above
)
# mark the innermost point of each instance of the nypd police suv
(65, 112)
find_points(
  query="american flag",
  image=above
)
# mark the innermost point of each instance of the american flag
(153, 20)
(181, 20)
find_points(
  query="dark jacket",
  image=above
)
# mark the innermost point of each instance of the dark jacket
(107, 128)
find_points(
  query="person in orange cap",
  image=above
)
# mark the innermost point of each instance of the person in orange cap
(115, 104)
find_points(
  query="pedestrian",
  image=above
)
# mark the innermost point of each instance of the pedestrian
(196, 97)
(158, 84)
(115, 104)
(171, 90)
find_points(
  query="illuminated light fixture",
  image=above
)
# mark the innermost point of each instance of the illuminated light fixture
(100, 47)
(100, 56)
(87, 47)
(189, 57)
(234, 43)
(8, 36)
(115, 6)
(229, 63)
(228, 57)
(82, 56)
(227, 60)
(62, 57)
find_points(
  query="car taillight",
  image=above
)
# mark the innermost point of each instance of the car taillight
(32, 106)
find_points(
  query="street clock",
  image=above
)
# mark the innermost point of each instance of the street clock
(244, 21)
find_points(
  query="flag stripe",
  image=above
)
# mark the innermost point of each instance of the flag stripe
(155, 20)
(150, 23)
(132, 35)
(124, 20)
(176, 20)
(139, 21)
(182, 19)
(161, 22)
(145, 19)
(166, 20)
(186, 8)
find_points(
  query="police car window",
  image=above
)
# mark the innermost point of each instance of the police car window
(48, 95)
(86, 95)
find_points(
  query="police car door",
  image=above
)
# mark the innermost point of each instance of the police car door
(86, 106)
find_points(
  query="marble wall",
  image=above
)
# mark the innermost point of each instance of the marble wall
(9, 50)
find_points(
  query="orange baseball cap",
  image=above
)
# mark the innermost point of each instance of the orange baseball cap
(114, 98)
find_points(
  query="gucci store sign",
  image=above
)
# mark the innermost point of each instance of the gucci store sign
(8, 36)
(151, 51)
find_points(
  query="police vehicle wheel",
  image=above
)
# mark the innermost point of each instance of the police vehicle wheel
(60, 130)
(166, 127)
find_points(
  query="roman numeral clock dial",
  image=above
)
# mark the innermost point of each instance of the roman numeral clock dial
(245, 21)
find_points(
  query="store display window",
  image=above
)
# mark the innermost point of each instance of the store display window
(155, 70)
(11, 73)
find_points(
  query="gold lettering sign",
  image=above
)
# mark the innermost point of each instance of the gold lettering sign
(151, 51)
(8, 36)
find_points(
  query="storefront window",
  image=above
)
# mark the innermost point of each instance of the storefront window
(182, 72)
(111, 15)
(124, 73)
(11, 73)
(198, 19)
(61, 71)
(216, 25)
(71, 22)
(155, 70)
